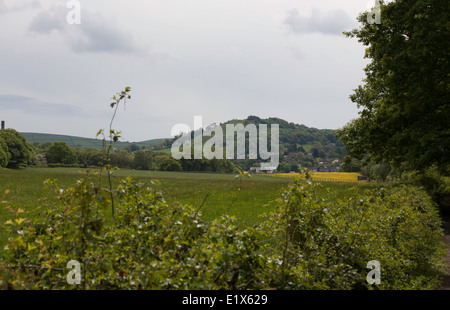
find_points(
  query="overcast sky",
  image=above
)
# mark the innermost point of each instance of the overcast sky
(219, 59)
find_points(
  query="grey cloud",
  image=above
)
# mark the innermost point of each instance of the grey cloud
(331, 22)
(3, 8)
(47, 21)
(96, 33)
(296, 52)
(29, 105)
(102, 35)
(18, 6)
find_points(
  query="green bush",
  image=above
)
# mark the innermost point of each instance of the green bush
(121, 159)
(170, 164)
(150, 244)
(436, 183)
(334, 239)
(19, 149)
(143, 160)
(310, 241)
(60, 153)
(4, 154)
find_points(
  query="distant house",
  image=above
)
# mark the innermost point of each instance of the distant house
(255, 170)
(269, 169)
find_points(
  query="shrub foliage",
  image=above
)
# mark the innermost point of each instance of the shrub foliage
(310, 240)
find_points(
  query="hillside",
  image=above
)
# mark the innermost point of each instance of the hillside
(74, 141)
(299, 144)
(293, 136)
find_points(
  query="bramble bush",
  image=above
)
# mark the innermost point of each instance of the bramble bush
(435, 181)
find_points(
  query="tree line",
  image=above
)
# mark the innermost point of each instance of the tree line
(16, 152)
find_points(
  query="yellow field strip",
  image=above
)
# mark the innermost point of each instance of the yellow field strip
(325, 176)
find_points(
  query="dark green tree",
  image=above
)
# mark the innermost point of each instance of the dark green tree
(60, 153)
(404, 116)
(132, 147)
(170, 164)
(315, 153)
(4, 154)
(88, 157)
(121, 159)
(18, 148)
(143, 160)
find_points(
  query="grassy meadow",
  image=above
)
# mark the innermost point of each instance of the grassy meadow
(217, 193)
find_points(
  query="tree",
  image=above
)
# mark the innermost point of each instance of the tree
(132, 147)
(143, 160)
(170, 164)
(284, 167)
(19, 149)
(88, 157)
(4, 154)
(315, 153)
(378, 172)
(60, 153)
(405, 113)
(159, 158)
(39, 160)
(121, 159)
(351, 166)
(322, 154)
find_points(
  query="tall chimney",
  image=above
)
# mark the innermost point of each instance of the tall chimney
(3, 124)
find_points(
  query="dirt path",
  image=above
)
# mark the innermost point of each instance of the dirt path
(446, 282)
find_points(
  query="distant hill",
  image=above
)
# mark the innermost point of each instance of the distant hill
(296, 138)
(74, 141)
(299, 144)
(293, 135)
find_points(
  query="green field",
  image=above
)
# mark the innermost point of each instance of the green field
(217, 192)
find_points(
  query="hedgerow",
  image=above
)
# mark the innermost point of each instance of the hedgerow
(311, 240)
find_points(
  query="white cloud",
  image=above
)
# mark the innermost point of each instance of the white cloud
(96, 33)
(331, 22)
(18, 5)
